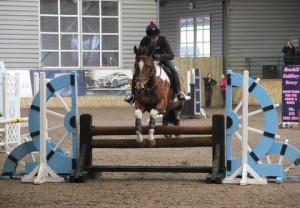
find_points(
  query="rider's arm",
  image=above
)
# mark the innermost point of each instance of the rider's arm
(167, 53)
(143, 42)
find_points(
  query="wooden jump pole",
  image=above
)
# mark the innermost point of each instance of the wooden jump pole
(160, 142)
(211, 136)
(159, 130)
(14, 120)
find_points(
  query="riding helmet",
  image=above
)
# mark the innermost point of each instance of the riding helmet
(152, 29)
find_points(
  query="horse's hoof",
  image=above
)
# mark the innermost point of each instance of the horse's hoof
(151, 143)
(141, 144)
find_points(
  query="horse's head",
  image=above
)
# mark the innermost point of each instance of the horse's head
(144, 68)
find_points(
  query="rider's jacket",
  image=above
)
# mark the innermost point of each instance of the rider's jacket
(162, 47)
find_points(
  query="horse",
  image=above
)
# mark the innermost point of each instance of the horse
(154, 94)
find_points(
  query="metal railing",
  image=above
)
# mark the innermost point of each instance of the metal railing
(269, 67)
(264, 67)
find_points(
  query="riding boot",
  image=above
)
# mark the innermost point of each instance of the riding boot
(130, 98)
(180, 94)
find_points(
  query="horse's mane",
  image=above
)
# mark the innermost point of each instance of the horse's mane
(144, 50)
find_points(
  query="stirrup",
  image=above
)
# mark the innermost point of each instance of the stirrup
(130, 98)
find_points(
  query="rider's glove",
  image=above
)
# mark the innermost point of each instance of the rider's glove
(156, 57)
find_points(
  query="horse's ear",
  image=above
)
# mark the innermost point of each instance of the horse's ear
(135, 50)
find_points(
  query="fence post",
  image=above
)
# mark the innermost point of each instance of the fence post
(218, 140)
(86, 138)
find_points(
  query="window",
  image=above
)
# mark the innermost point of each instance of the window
(79, 34)
(195, 36)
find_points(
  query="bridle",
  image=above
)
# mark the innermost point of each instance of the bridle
(146, 80)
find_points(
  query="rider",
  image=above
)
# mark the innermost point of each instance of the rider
(163, 53)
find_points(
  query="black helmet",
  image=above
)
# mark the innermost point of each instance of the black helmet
(152, 29)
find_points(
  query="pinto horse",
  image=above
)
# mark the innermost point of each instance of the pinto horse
(154, 94)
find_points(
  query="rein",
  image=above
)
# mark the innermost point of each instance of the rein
(149, 77)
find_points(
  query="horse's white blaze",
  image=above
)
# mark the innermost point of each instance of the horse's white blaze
(160, 72)
(141, 64)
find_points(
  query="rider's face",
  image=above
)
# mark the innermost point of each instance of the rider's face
(154, 39)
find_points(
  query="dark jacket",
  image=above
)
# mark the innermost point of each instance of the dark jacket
(209, 83)
(162, 47)
(288, 52)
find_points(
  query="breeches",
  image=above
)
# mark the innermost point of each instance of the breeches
(171, 67)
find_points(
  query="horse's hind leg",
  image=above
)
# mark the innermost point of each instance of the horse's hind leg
(177, 120)
(153, 115)
(165, 122)
(138, 125)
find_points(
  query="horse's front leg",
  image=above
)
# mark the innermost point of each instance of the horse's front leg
(138, 125)
(151, 139)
